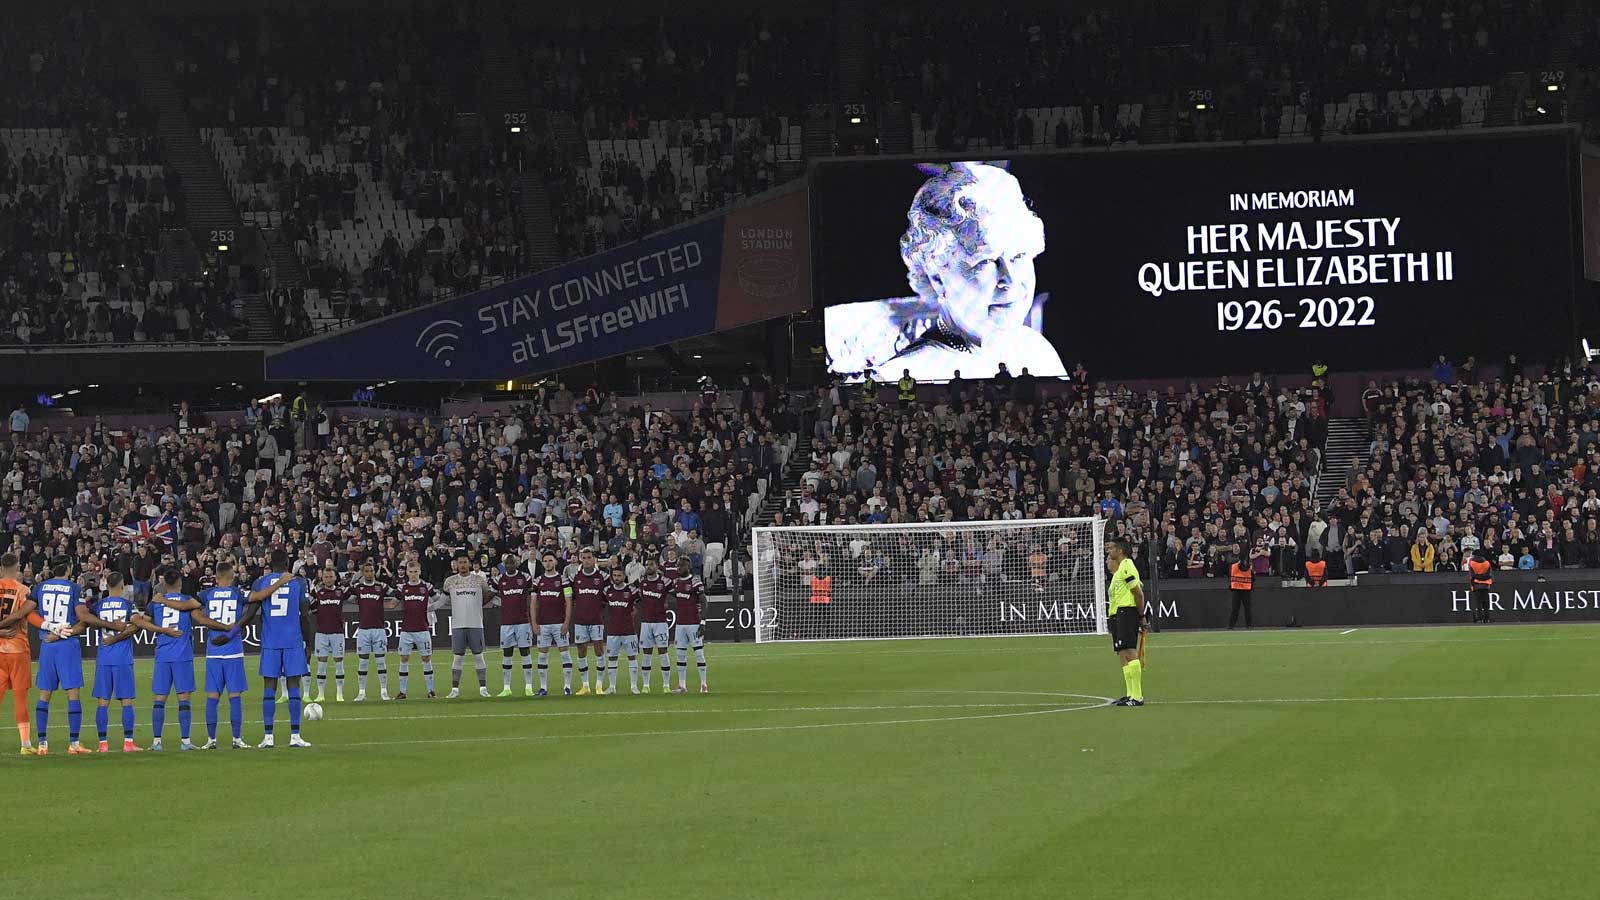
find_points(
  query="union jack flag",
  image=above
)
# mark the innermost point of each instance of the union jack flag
(161, 528)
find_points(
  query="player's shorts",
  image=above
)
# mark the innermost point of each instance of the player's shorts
(416, 641)
(284, 662)
(689, 637)
(372, 640)
(16, 673)
(113, 682)
(329, 645)
(60, 666)
(1125, 629)
(225, 675)
(653, 634)
(551, 634)
(464, 639)
(622, 643)
(513, 636)
(172, 677)
(588, 634)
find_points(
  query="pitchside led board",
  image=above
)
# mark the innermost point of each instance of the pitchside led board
(747, 265)
(1365, 254)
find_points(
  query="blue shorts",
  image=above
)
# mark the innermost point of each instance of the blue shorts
(173, 677)
(225, 676)
(284, 662)
(113, 682)
(60, 666)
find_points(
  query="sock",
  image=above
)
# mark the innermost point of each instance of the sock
(102, 720)
(158, 718)
(211, 718)
(700, 662)
(527, 668)
(455, 674)
(338, 676)
(269, 706)
(666, 670)
(383, 675)
(405, 674)
(583, 669)
(127, 723)
(361, 673)
(633, 672)
(236, 716)
(25, 729)
(611, 673)
(294, 709)
(1133, 674)
(427, 675)
(185, 719)
(74, 720)
(483, 672)
(544, 670)
(41, 715)
(566, 669)
(505, 670)
(322, 676)
(648, 666)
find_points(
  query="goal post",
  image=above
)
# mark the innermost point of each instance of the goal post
(927, 580)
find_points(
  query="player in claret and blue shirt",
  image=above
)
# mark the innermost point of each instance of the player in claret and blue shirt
(285, 631)
(60, 605)
(174, 613)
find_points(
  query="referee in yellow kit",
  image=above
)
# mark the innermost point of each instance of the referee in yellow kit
(1125, 616)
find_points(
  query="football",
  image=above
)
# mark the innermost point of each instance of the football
(313, 712)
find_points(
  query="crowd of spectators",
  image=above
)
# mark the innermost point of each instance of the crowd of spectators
(563, 472)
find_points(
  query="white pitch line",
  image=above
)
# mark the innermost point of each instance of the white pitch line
(1351, 631)
(1586, 696)
(536, 738)
(534, 714)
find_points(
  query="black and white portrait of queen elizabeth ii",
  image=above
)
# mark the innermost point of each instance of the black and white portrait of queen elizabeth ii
(968, 249)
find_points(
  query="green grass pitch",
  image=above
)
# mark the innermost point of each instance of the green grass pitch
(1404, 763)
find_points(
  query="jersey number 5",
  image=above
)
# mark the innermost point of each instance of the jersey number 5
(280, 603)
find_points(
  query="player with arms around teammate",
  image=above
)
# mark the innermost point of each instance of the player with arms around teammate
(60, 605)
(653, 590)
(372, 640)
(690, 595)
(225, 654)
(328, 598)
(1125, 615)
(174, 613)
(418, 600)
(17, 611)
(621, 633)
(469, 593)
(588, 616)
(552, 600)
(113, 665)
(285, 631)
(513, 583)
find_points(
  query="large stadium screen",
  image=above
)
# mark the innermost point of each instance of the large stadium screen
(1370, 254)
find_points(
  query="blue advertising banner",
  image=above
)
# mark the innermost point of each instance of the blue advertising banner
(747, 265)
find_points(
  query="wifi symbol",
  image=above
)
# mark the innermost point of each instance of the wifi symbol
(443, 342)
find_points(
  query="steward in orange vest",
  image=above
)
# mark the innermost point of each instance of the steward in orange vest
(1316, 572)
(1478, 575)
(1241, 579)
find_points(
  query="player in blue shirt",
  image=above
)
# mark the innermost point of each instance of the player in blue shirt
(172, 609)
(279, 599)
(113, 666)
(60, 604)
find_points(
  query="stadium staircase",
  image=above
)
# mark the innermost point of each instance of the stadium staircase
(780, 495)
(506, 93)
(286, 267)
(852, 56)
(1504, 99)
(1156, 126)
(1347, 439)
(207, 204)
(894, 128)
(1566, 41)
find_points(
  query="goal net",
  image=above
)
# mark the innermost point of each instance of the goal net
(943, 579)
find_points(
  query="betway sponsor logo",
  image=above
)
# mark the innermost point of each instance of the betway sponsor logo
(1535, 599)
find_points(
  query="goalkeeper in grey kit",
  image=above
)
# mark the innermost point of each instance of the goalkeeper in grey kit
(469, 593)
